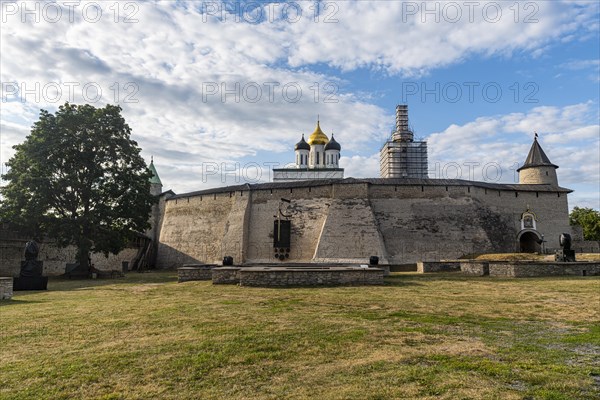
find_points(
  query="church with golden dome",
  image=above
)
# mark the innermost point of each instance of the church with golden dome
(316, 158)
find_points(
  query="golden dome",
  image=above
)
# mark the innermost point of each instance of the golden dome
(318, 137)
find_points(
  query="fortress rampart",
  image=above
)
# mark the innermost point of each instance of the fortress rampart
(399, 220)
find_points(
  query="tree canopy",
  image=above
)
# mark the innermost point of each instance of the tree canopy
(589, 220)
(79, 178)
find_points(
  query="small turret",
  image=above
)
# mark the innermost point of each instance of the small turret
(537, 169)
(332, 153)
(302, 150)
(155, 183)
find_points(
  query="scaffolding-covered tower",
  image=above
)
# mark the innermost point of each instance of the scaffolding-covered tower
(401, 156)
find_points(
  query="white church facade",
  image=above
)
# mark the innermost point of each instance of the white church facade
(317, 158)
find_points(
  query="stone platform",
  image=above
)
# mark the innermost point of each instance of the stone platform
(522, 269)
(278, 276)
(438, 266)
(475, 268)
(6, 288)
(512, 269)
(226, 275)
(195, 272)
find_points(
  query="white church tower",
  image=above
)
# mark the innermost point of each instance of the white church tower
(317, 141)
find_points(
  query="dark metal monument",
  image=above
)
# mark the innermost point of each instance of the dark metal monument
(566, 254)
(30, 277)
(282, 232)
(227, 261)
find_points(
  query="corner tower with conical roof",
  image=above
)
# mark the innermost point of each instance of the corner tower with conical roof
(537, 169)
(155, 183)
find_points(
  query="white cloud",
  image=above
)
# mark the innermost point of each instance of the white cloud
(173, 55)
(414, 37)
(569, 135)
(581, 64)
(360, 167)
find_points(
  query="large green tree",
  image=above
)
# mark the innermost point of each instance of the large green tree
(79, 178)
(589, 220)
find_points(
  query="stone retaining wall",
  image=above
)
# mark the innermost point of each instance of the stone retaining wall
(285, 277)
(531, 269)
(384, 267)
(195, 272)
(403, 268)
(438, 266)
(56, 258)
(476, 268)
(6, 288)
(226, 276)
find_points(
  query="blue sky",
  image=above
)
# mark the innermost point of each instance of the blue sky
(168, 64)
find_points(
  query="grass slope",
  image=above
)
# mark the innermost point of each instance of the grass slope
(420, 336)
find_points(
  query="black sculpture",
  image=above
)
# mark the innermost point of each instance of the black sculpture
(30, 277)
(566, 254)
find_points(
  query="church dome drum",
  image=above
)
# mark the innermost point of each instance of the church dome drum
(333, 145)
(302, 145)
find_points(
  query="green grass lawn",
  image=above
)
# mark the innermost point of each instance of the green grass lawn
(434, 336)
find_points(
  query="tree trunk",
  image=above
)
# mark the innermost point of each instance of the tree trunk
(83, 249)
(83, 256)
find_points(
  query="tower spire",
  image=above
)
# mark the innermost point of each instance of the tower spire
(402, 132)
(537, 168)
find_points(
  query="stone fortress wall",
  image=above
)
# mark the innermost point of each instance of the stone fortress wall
(336, 221)
(54, 258)
(401, 221)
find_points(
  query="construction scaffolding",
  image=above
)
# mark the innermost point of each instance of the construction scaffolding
(402, 156)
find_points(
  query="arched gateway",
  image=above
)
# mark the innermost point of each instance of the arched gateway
(530, 241)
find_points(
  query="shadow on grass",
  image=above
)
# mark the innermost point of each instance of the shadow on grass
(15, 301)
(59, 284)
(399, 281)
